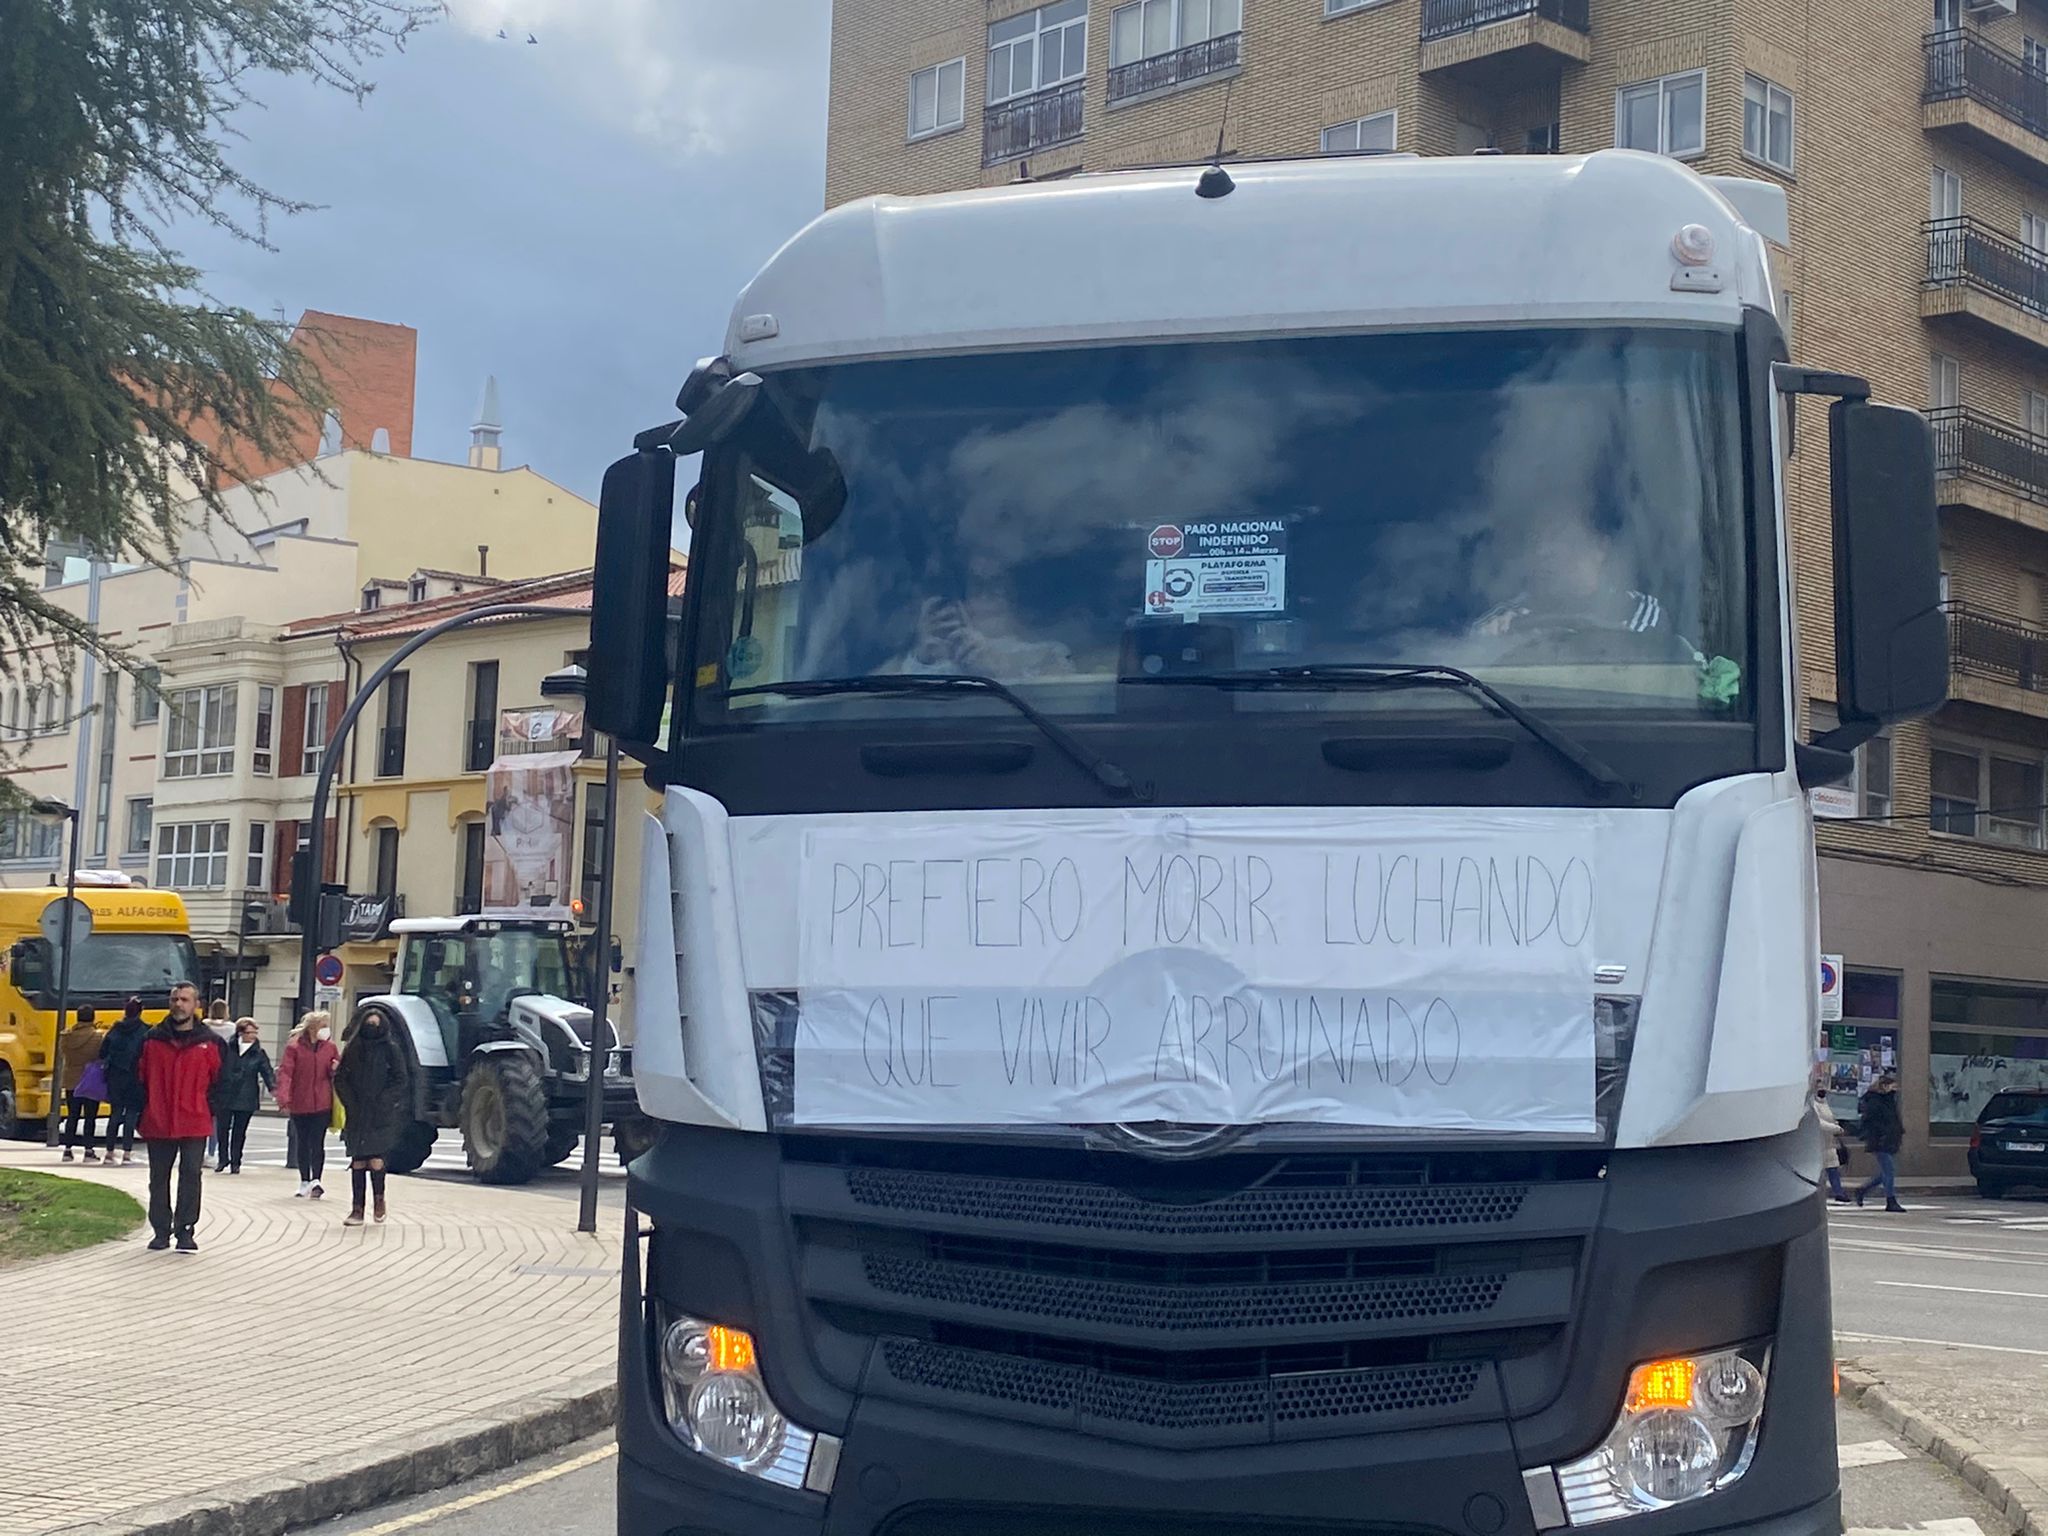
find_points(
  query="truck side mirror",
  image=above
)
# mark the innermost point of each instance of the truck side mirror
(1891, 637)
(629, 597)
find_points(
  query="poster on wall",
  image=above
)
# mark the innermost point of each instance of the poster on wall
(1857, 1053)
(530, 813)
(1965, 1068)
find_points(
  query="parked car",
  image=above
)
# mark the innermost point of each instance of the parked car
(2010, 1143)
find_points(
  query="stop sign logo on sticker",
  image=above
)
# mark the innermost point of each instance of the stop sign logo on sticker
(1165, 542)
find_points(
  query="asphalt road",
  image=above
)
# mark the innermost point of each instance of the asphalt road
(267, 1139)
(1886, 1486)
(1953, 1271)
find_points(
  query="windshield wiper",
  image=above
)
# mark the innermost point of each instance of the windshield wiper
(1091, 762)
(1389, 674)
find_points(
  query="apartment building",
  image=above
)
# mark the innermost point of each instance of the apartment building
(414, 814)
(1912, 139)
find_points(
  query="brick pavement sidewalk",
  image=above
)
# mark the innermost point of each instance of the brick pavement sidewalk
(288, 1343)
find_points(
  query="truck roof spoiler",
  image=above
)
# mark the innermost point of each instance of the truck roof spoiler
(1761, 204)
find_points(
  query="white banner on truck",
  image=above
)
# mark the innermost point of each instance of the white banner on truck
(1386, 969)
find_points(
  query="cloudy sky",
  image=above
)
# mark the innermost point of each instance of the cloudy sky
(575, 215)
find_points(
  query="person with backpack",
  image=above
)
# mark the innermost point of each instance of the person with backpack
(245, 1073)
(1883, 1133)
(121, 1057)
(305, 1091)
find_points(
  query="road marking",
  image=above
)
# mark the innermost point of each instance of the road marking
(420, 1517)
(1966, 1290)
(1944, 1253)
(1893, 1338)
(1867, 1453)
(1960, 1526)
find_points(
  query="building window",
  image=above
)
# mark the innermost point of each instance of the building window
(480, 742)
(46, 840)
(416, 592)
(256, 876)
(1944, 382)
(470, 897)
(264, 759)
(1541, 141)
(1983, 1036)
(1767, 122)
(1980, 791)
(1145, 29)
(387, 860)
(138, 826)
(200, 739)
(1366, 135)
(593, 846)
(2035, 52)
(1340, 7)
(147, 699)
(372, 598)
(192, 855)
(391, 739)
(1037, 50)
(316, 729)
(1874, 777)
(1948, 15)
(938, 98)
(1666, 117)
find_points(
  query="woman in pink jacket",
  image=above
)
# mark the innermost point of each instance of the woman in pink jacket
(305, 1091)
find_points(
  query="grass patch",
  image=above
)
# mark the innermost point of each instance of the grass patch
(41, 1214)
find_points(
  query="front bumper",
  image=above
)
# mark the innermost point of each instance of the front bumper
(1670, 1251)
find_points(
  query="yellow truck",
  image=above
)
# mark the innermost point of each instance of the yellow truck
(140, 946)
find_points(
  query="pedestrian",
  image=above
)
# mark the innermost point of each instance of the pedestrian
(245, 1073)
(180, 1064)
(1883, 1132)
(121, 1055)
(224, 1032)
(78, 1050)
(375, 1084)
(305, 1091)
(1837, 1153)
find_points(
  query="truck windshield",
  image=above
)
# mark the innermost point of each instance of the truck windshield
(113, 967)
(1559, 512)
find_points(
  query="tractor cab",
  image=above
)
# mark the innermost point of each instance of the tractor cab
(468, 971)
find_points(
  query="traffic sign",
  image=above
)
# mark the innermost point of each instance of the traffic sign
(327, 970)
(1830, 988)
(56, 915)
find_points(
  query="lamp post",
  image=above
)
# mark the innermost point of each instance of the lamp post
(574, 682)
(54, 813)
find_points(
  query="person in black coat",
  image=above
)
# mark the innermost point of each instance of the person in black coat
(245, 1071)
(375, 1085)
(121, 1056)
(1883, 1133)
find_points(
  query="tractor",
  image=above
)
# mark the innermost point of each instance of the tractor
(502, 1045)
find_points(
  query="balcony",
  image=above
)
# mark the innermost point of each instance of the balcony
(1168, 71)
(391, 752)
(480, 746)
(1998, 660)
(1032, 123)
(1986, 97)
(1979, 277)
(1990, 466)
(1498, 39)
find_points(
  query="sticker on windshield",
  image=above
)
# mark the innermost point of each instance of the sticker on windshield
(1196, 568)
(745, 657)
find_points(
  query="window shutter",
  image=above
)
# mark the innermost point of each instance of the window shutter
(291, 734)
(284, 842)
(328, 862)
(337, 701)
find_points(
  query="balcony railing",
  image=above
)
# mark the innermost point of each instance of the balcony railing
(391, 752)
(1962, 65)
(480, 745)
(1963, 251)
(1032, 123)
(1448, 18)
(1142, 76)
(1970, 446)
(1997, 646)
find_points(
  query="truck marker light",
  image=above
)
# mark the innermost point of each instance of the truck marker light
(1693, 246)
(730, 1349)
(1661, 1384)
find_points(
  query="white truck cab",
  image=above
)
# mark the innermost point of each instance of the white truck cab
(1231, 941)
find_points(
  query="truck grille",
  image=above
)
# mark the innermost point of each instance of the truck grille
(1234, 1300)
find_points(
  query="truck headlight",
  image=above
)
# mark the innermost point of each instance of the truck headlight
(1687, 1428)
(716, 1402)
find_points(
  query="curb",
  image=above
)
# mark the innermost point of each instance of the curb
(2023, 1500)
(394, 1470)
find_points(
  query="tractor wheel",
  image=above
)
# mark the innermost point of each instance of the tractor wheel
(409, 1153)
(562, 1141)
(632, 1135)
(505, 1118)
(10, 1106)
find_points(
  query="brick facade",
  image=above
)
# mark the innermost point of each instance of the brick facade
(1869, 135)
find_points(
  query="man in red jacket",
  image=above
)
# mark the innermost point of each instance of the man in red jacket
(180, 1061)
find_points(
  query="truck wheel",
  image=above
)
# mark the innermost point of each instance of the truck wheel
(1990, 1189)
(10, 1108)
(632, 1136)
(562, 1141)
(505, 1118)
(410, 1151)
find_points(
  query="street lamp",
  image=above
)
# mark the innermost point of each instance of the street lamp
(574, 683)
(54, 813)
